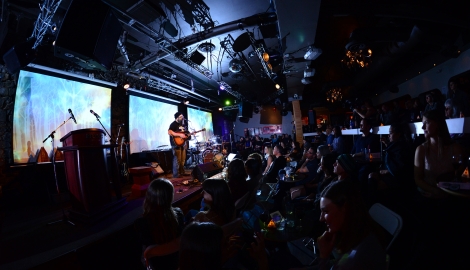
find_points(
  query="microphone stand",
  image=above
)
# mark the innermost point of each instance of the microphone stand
(114, 175)
(64, 216)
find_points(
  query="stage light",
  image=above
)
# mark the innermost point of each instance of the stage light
(220, 109)
(278, 86)
(312, 53)
(227, 102)
(126, 85)
(235, 65)
(265, 57)
(186, 102)
(222, 87)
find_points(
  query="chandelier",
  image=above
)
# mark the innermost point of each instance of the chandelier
(334, 95)
(357, 58)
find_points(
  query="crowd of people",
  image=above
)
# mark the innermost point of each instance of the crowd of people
(340, 183)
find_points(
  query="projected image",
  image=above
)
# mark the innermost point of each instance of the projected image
(41, 106)
(149, 121)
(199, 120)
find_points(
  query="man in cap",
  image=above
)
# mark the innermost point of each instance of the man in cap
(177, 129)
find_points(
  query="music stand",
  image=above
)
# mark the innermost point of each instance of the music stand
(64, 216)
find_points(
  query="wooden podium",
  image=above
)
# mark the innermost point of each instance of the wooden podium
(86, 170)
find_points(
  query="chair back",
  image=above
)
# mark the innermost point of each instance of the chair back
(232, 227)
(240, 203)
(388, 219)
(161, 250)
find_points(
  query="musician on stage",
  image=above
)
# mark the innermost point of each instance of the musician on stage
(178, 129)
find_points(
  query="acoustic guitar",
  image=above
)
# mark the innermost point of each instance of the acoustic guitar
(180, 141)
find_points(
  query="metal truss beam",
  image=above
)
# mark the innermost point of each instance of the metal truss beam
(43, 22)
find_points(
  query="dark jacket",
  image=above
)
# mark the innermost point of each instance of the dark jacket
(278, 164)
(399, 161)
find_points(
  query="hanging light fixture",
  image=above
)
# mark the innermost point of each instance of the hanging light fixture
(360, 58)
(334, 95)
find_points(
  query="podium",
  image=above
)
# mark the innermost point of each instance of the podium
(87, 174)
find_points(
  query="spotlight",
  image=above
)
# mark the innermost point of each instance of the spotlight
(278, 86)
(186, 102)
(222, 87)
(265, 57)
(251, 54)
(312, 53)
(173, 76)
(309, 72)
(126, 85)
(227, 102)
(220, 109)
(235, 65)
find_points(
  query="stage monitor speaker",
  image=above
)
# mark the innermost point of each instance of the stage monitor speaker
(19, 56)
(245, 109)
(244, 119)
(206, 170)
(312, 119)
(88, 35)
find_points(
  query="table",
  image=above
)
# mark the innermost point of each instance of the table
(455, 188)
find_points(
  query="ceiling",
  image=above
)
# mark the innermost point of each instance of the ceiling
(159, 39)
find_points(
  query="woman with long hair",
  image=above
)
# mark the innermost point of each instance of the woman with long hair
(236, 179)
(218, 198)
(350, 230)
(434, 158)
(161, 223)
(268, 158)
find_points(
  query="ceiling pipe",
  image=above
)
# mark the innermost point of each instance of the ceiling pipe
(241, 24)
(147, 75)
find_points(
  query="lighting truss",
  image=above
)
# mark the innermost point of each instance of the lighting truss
(43, 22)
(159, 85)
(201, 14)
(228, 108)
(259, 51)
(272, 95)
(229, 90)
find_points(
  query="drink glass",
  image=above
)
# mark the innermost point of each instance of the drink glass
(280, 225)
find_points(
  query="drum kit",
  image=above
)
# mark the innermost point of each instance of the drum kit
(210, 151)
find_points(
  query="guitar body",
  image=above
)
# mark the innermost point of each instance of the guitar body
(182, 142)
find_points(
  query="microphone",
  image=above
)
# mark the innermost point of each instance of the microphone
(72, 116)
(95, 114)
(121, 125)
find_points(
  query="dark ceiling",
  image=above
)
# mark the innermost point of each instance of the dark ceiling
(167, 47)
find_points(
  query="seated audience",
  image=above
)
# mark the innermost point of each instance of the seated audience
(218, 198)
(350, 230)
(433, 158)
(397, 170)
(295, 152)
(278, 163)
(268, 158)
(236, 178)
(366, 141)
(338, 142)
(160, 223)
(201, 246)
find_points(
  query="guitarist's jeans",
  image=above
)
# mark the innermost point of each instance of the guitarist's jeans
(179, 157)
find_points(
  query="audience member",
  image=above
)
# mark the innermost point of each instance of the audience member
(218, 198)
(201, 246)
(350, 230)
(338, 143)
(433, 158)
(160, 223)
(345, 168)
(397, 171)
(433, 104)
(370, 113)
(367, 141)
(459, 98)
(236, 178)
(329, 136)
(451, 110)
(278, 163)
(268, 158)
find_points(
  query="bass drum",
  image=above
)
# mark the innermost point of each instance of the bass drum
(207, 155)
(219, 157)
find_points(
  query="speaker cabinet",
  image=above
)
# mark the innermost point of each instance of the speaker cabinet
(19, 56)
(206, 170)
(245, 109)
(88, 35)
(312, 118)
